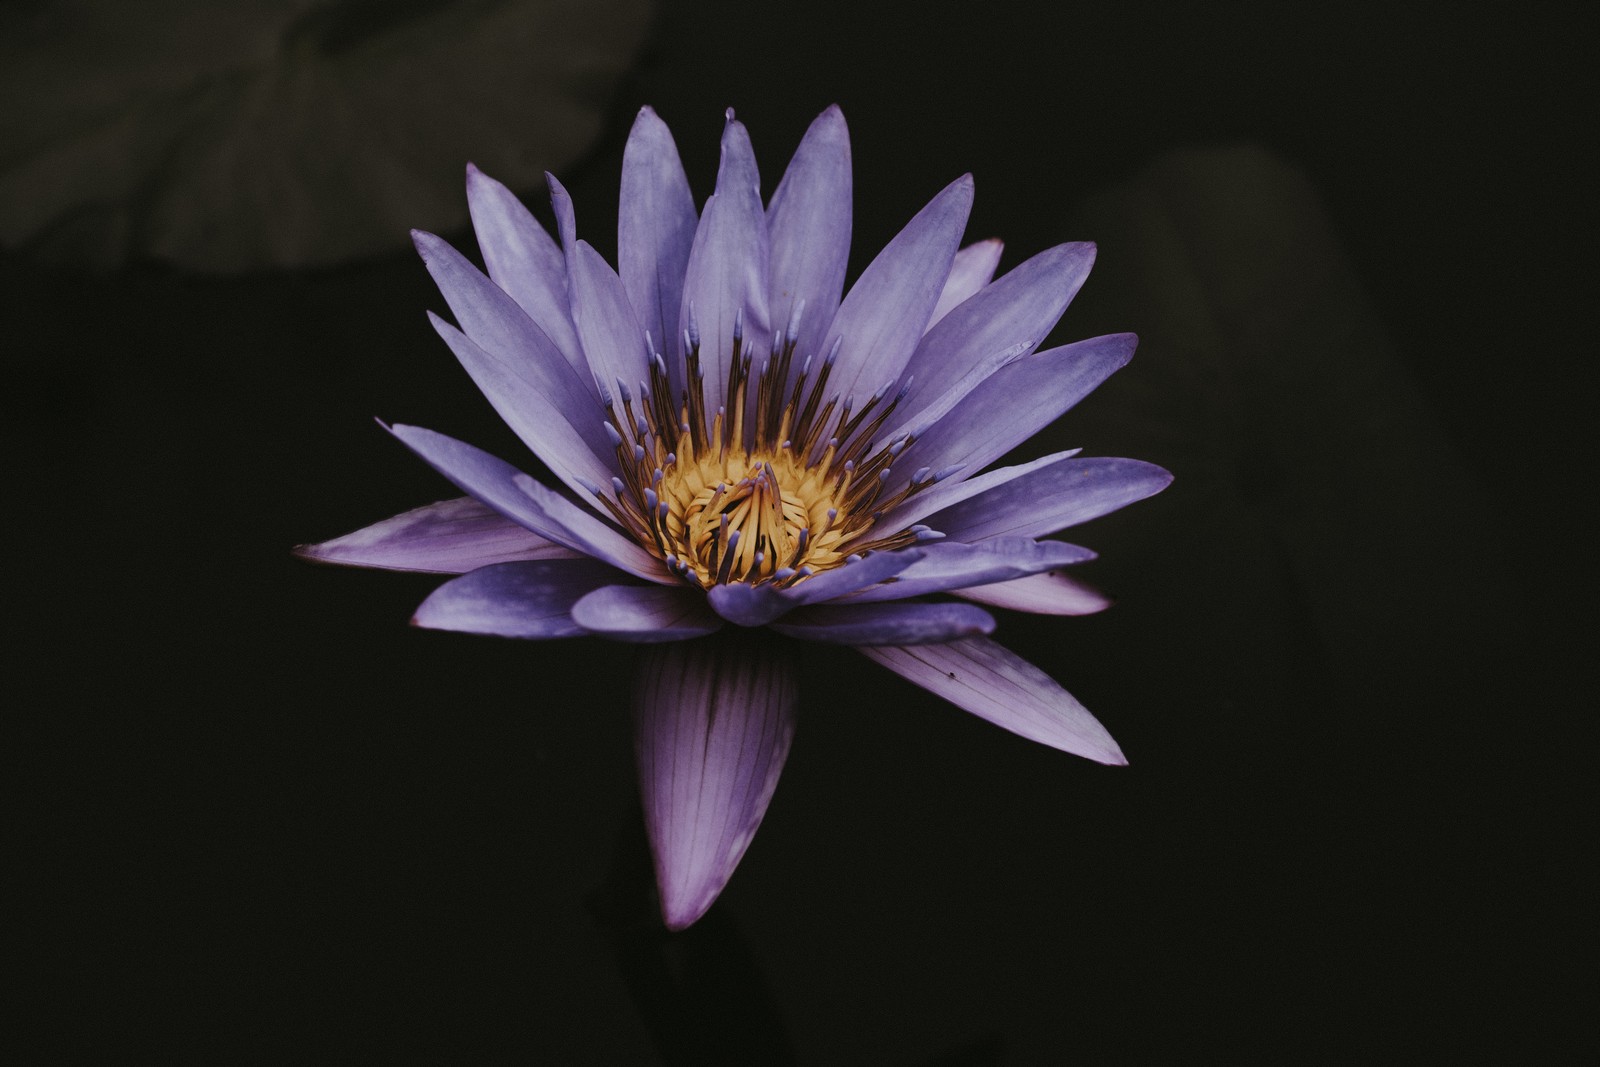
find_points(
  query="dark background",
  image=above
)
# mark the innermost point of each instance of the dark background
(260, 819)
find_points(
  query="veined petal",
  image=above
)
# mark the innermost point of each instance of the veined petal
(613, 341)
(972, 268)
(956, 488)
(757, 605)
(527, 600)
(566, 220)
(980, 676)
(655, 230)
(714, 719)
(886, 624)
(886, 310)
(809, 220)
(729, 267)
(1051, 498)
(1051, 593)
(646, 614)
(450, 537)
(523, 260)
(948, 566)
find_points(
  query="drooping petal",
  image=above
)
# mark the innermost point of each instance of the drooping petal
(729, 266)
(886, 624)
(1051, 593)
(499, 485)
(970, 270)
(757, 605)
(957, 488)
(886, 310)
(714, 720)
(450, 537)
(527, 600)
(809, 220)
(948, 566)
(655, 230)
(613, 341)
(646, 614)
(1051, 498)
(993, 683)
(524, 261)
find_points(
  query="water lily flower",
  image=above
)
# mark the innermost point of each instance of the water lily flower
(746, 459)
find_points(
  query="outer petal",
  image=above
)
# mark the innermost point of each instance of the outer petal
(957, 488)
(886, 624)
(729, 266)
(979, 676)
(655, 229)
(450, 537)
(646, 614)
(524, 261)
(757, 605)
(809, 219)
(1051, 593)
(528, 600)
(946, 567)
(970, 271)
(613, 341)
(714, 720)
(885, 312)
(1051, 498)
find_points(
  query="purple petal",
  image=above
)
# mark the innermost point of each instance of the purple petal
(613, 341)
(757, 605)
(527, 600)
(885, 312)
(970, 271)
(566, 221)
(1051, 593)
(519, 498)
(729, 266)
(655, 229)
(646, 614)
(979, 676)
(809, 219)
(948, 566)
(886, 624)
(954, 489)
(524, 261)
(1051, 498)
(450, 537)
(714, 721)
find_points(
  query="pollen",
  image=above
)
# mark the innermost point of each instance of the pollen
(782, 481)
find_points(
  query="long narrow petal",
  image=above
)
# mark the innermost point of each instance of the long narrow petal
(655, 230)
(757, 605)
(1051, 593)
(972, 268)
(714, 720)
(646, 614)
(886, 624)
(982, 677)
(809, 219)
(957, 488)
(729, 265)
(527, 600)
(450, 537)
(613, 340)
(946, 567)
(886, 310)
(523, 260)
(1051, 498)
(499, 485)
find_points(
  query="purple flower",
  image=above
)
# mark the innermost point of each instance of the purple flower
(742, 452)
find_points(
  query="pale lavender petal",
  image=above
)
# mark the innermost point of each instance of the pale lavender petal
(980, 676)
(646, 614)
(1051, 593)
(886, 624)
(613, 340)
(523, 260)
(947, 566)
(713, 719)
(727, 276)
(915, 413)
(1017, 403)
(450, 537)
(757, 605)
(970, 270)
(1051, 498)
(886, 310)
(499, 485)
(958, 487)
(809, 219)
(655, 230)
(566, 221)
(527, 600)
